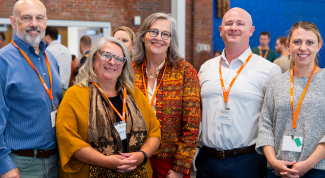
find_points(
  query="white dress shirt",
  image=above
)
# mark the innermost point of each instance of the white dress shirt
(245, 99)
(152, 91)
(63, 57)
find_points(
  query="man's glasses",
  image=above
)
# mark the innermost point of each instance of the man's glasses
(164, 34)
(107, 56)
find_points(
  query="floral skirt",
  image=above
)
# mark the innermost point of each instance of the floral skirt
(100, 172)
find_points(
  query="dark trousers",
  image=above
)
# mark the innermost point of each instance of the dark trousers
(250, 165)
(313, 173)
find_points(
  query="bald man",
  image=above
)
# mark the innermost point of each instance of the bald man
(84, 46)
(230, 110)
(30, 92)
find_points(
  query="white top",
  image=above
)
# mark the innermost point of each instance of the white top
(245, 99)
(151, 92)
(63, 57)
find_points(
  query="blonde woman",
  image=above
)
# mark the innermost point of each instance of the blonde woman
(126, 35)
(105, 127)
(291, 128)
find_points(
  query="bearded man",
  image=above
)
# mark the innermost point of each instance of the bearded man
(30, 92)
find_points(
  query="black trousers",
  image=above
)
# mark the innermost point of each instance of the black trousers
(252, 165)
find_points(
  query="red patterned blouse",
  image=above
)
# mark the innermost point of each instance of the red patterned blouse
(178, 110)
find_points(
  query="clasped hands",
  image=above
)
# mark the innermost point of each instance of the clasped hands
(298, 168)
(126, 162)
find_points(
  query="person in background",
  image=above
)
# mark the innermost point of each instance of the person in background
(284, 60)
(30, 92)
(61, 53)
(291, 127)
(84, 47)
(2, 40)
(171, 86)
(217, 53)
(264, 49)
(126, 35)
(233, 86)
(73, 69)
(105, 127)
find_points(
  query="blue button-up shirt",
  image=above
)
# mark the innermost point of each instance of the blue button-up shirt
(25, 106)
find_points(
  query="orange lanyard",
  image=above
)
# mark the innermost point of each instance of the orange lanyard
(267, 51)
(145, 86)
(124, 102)
(49, 91)
(295, 114)
(226, 92)
(285, 54)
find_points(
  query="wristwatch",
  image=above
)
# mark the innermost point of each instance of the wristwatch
(145, 157)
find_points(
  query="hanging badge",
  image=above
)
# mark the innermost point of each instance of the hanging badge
(290, 144)
(53, 117)
(224, 116)
(121, 129)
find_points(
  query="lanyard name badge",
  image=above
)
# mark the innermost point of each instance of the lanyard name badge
(295, 143)
(267, 51)
(119, 126)
(225, 116)
(145, 86)
(48, 90)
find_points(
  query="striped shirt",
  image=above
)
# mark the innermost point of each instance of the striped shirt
(25, 106)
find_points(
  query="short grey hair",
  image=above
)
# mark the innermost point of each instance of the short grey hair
(173, 54)
(87, 74)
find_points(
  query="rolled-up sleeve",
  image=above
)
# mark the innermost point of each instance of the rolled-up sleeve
(322, 140)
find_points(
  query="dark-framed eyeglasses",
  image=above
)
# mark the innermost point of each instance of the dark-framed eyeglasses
(164, 34)
(107, 56)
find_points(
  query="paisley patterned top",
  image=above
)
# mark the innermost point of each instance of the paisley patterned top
(178, 111)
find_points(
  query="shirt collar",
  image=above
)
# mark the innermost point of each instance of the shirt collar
(28, 48)
(87, 52)
(160, 66)
(242, 57)
(54, 42)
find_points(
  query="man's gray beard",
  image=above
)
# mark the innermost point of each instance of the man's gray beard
(27, 39)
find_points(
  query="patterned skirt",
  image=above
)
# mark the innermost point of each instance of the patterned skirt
(100, 172)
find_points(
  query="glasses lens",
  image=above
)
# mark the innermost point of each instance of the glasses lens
(119, 60)
(165, 35)
(106, 56)
(153, 33)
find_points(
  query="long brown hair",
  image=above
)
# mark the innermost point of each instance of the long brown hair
(309, 26)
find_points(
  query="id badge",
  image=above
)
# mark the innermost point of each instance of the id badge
(53, 117)
(290, 144)
(224, 116)
(121, 129)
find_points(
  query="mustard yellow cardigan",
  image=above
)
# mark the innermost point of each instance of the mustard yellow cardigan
(72, 129)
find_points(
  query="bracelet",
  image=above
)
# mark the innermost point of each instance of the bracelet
(145, 156)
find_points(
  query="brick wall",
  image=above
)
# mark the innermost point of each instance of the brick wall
(202, 30)
(122, 12)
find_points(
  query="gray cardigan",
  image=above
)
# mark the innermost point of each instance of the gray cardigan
(276, 117)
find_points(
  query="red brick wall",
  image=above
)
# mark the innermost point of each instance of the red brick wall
(122, 12)
(202, 30)
(189, 46)
(118, 12)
